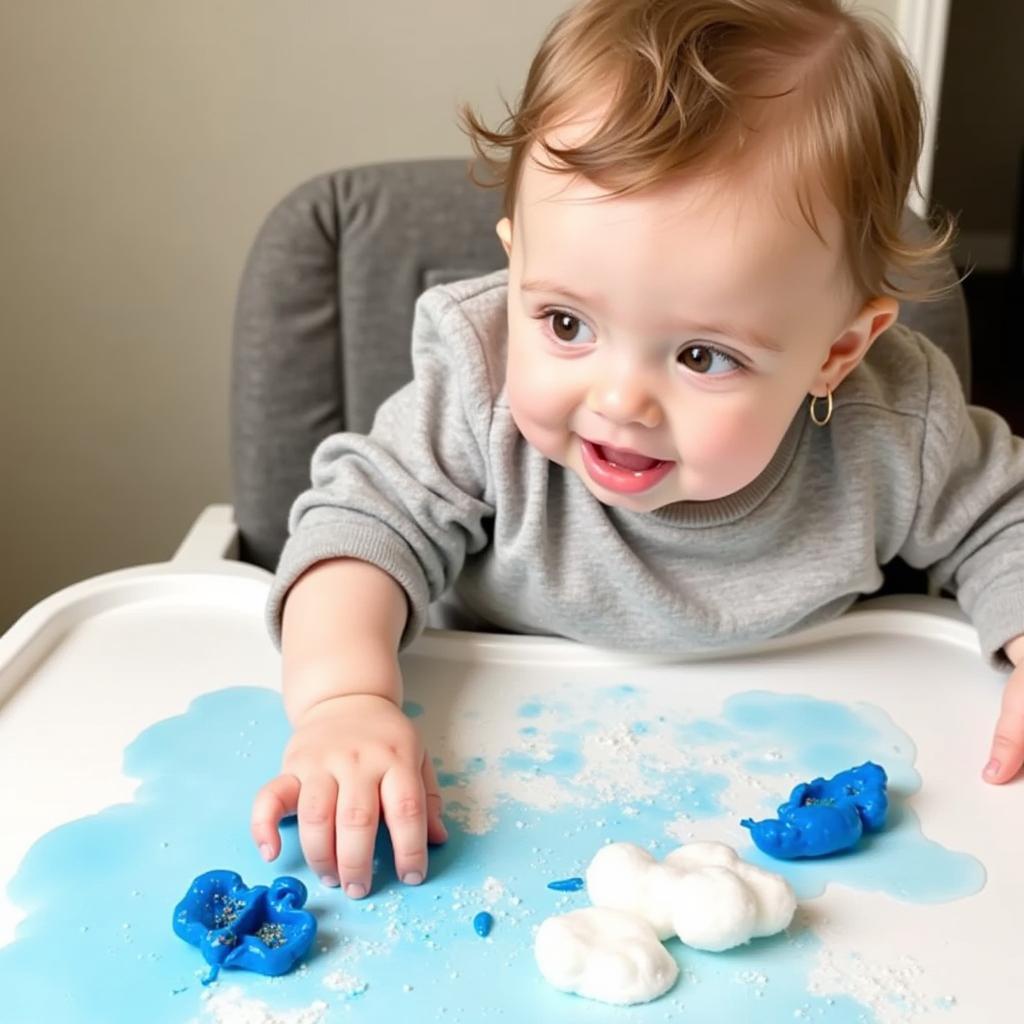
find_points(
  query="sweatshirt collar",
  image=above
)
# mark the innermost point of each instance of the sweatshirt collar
(732, 507)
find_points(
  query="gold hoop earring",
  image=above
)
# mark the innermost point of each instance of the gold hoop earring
(828, 409)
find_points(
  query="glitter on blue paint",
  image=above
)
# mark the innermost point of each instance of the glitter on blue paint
(258, 928)
(482, 924)
(567, 885)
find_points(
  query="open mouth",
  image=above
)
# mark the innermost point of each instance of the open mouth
(622, 470)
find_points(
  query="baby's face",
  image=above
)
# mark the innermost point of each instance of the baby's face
(660, 344)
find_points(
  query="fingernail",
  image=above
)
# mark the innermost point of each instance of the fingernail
(265, 852)
(355, 890)
(329, 880)
(412, 878)
(992, 769)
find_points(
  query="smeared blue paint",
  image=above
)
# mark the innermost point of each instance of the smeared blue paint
(566, 760)
(817, 737)
(615, 693)
(528, 730)
(530, 710)
(450, 780)
(412, 709)
(103, 887)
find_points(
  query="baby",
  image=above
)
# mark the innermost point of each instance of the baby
(685, 416)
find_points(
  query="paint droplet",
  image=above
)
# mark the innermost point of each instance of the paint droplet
(567, 885)
(482, 924)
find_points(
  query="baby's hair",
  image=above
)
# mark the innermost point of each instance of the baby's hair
(815, 93)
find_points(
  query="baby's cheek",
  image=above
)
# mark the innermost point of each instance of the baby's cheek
(734, 448)
(541, 409)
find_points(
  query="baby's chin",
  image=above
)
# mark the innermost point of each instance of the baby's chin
(675, 489)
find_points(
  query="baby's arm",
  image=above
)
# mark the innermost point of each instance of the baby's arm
(967, 530)
(1008, 745)
(353, 753)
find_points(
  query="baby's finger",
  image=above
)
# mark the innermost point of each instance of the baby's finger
(317, 800)
(276, 800)
(405, 811)
(358, 817)
(436, 831)
(1008, 744)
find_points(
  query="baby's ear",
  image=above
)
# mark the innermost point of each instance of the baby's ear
(850, 347)
(504, 232)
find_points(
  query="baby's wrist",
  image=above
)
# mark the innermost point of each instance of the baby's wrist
(320, 683)
(342, 703)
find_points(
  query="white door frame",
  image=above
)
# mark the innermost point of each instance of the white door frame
(923, 25)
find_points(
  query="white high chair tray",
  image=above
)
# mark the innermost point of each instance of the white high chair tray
(546, 750)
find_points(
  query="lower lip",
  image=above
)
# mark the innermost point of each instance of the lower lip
(616, 478)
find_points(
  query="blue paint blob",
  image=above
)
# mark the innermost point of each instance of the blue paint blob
(253, 929)
(482, 924)
(567, 885)
(825, 816)
(412, 709)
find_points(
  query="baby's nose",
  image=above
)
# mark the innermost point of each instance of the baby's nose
(625, 397)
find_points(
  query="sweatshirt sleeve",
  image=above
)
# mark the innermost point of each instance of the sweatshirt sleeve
(968, 527)
(409, 496)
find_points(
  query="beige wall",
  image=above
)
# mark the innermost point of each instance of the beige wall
(143, 143)
(890, 8)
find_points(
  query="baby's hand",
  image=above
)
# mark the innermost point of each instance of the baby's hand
(1008, 745)
(350, 758)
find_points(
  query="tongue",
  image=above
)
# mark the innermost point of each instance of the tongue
(628, 460)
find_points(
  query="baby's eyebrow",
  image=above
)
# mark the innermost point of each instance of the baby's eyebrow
(751, 335)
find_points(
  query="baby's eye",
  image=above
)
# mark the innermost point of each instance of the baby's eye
(565, 327)
(706, 359)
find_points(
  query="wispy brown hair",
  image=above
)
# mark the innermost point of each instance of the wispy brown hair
(822, 96)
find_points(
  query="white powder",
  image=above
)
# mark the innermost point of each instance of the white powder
(232, 1006)
(347, 984)
(493, 890)
(891, 990)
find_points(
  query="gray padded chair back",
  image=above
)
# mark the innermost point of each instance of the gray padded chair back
(324, 317)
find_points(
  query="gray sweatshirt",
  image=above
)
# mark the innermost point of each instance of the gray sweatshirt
(446, 496)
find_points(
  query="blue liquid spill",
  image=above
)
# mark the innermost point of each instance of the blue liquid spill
(454, 780)
(566, 761)
(99, 892)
